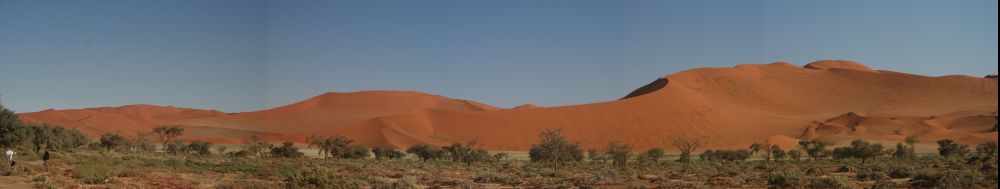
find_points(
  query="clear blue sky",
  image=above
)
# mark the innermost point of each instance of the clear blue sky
(245, 55)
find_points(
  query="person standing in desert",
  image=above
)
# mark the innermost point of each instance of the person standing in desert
(45, 160)
(9, 156)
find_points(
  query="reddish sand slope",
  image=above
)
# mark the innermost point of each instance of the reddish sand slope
(321, 112)
(731, 107)
(125, 119)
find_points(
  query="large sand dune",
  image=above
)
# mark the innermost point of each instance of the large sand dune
(731, 107)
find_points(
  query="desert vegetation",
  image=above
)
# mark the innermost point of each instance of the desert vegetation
(133, 161)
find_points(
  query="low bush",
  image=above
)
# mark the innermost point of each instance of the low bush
(902, 172)
(831, 182)
(93, 174)
(871, 176)
(786, 179)
(426, 152)
(949, 179)
(288, 150)
(509, 180)
(313, 178)
(384, 153)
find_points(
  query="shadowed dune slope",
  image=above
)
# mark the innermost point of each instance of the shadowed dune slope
(731, 107)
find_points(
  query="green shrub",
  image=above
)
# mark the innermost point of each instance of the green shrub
(200, 148)
(871, 176)
(949, 179)
(786, 179)
(619, 153)
(902, 172)
(816, 149)
(383, 153)
(111, 141)
(93, 174)
(356, 151)
(948, 148)
(510, 180)
(288, 150)
(468, 153)
(652, 155)
(726, 155)
(426, 152)
(859, 149)
(314, 178)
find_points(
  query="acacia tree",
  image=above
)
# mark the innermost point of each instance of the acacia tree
(767, 148)
(115, 142)
(140, 142)
(816, 149)
(687, 145)
(859, 149)
(41, 134)
(321, 142)
(426, 152)
(256, 145)
(949, 148)
(468, 153)
(619, 154)
(168, 134)
(555, 150)
(9, 126)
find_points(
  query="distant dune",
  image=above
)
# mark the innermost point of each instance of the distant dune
(731, 107)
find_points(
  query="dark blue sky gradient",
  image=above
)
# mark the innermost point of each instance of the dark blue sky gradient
(244, 55)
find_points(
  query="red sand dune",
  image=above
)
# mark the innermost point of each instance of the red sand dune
(731, 107)
(325, 111)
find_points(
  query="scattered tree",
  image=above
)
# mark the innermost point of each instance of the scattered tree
(200, 148)
(385, 153)
(619, 154)
(50, 137)
(337, 147)
(114, 142)
(726, 155)
(795, 154)
(168, 134)
(687, 145)
(175, 148)
(903, 152)
(596, 157)
(778, 153)
(140, 143)
(426, 152)
(255, 145)
(986, 155)
(767, 149)
(555, 150)
(652, 155)
(10, 123)
(816, 149)
(859, 149)
(356, 151)
(468, 153)
(288, 150)
(948, 148)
